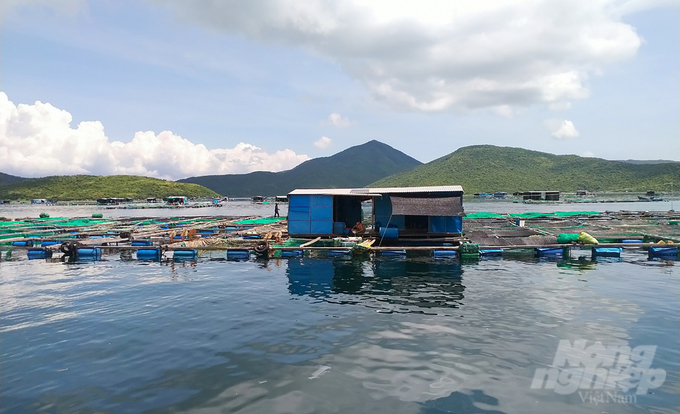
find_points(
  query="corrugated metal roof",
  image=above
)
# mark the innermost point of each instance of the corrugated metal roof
(329, 191)
(430, 189)
(377, 191)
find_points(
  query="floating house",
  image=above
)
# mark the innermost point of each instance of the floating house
(410, 212)
(114, 200)
(258, 199)
(541, 195)
(498, 195)
(176, 200)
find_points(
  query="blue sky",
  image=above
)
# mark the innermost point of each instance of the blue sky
(174, 89)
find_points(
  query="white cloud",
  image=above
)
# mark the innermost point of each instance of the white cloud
(437, 55)
(38, 140)
(587, 154)
(561, 128)
(338, 121)
(323, 142)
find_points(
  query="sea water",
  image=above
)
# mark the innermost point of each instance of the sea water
(346, 335)
(248, 208)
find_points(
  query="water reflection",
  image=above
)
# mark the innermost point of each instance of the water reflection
(397, 284)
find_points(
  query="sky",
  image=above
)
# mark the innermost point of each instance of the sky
(174, 88)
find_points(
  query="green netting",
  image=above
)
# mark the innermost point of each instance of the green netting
(11, 236)
(293, 242)
(561, 227)
(531, 214)
(85, 222)
(265, 220)
(556, 214)
(576, 213)
(144, 222)
(483, 215)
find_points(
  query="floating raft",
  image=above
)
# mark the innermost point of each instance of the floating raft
(486, 235)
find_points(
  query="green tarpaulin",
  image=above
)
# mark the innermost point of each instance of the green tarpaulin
(532, 214)
(265, 220)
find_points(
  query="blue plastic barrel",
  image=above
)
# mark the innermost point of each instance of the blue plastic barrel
(393, 252)
(336, 253)
(39, 254)
(141, 243)
(251, 236)
(185, 254)
(338, 227)
(549, 251)
(667, 252)
(148, 254)
(444, 253)
(23, 243)
(89, 253)
(291, 253)
(49, 242)
(491, 252)
(607, 251)
(631, 241)
(238, 254)
(389, 232)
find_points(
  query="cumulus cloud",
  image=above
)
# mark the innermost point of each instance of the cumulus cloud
(338, 121)
(436, 55)
(323, 142)
(38, 140)
(561, 128)
(587, 154)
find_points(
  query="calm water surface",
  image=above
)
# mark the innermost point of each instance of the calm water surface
(319, 335)
(247, 208)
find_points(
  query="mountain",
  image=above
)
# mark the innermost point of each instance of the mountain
(482, 168)
(88, 187)
(6, 179)
(651, 161)
(354, 167)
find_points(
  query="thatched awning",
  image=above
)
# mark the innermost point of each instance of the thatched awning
(443, 206)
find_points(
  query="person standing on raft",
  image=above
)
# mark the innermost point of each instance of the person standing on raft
(276, 209)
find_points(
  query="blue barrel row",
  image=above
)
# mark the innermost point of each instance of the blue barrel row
(665, 252)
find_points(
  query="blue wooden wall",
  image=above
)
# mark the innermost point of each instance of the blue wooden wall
(310, 214)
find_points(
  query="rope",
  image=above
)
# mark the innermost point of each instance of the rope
(386, 226)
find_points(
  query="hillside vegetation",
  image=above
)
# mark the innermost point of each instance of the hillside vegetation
(6, 179)
(357, 166)
(88, 187)
(483, 168)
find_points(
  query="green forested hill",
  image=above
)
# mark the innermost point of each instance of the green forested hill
(6, 179)
(354, 167)
(483, 168)
(88, 187)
